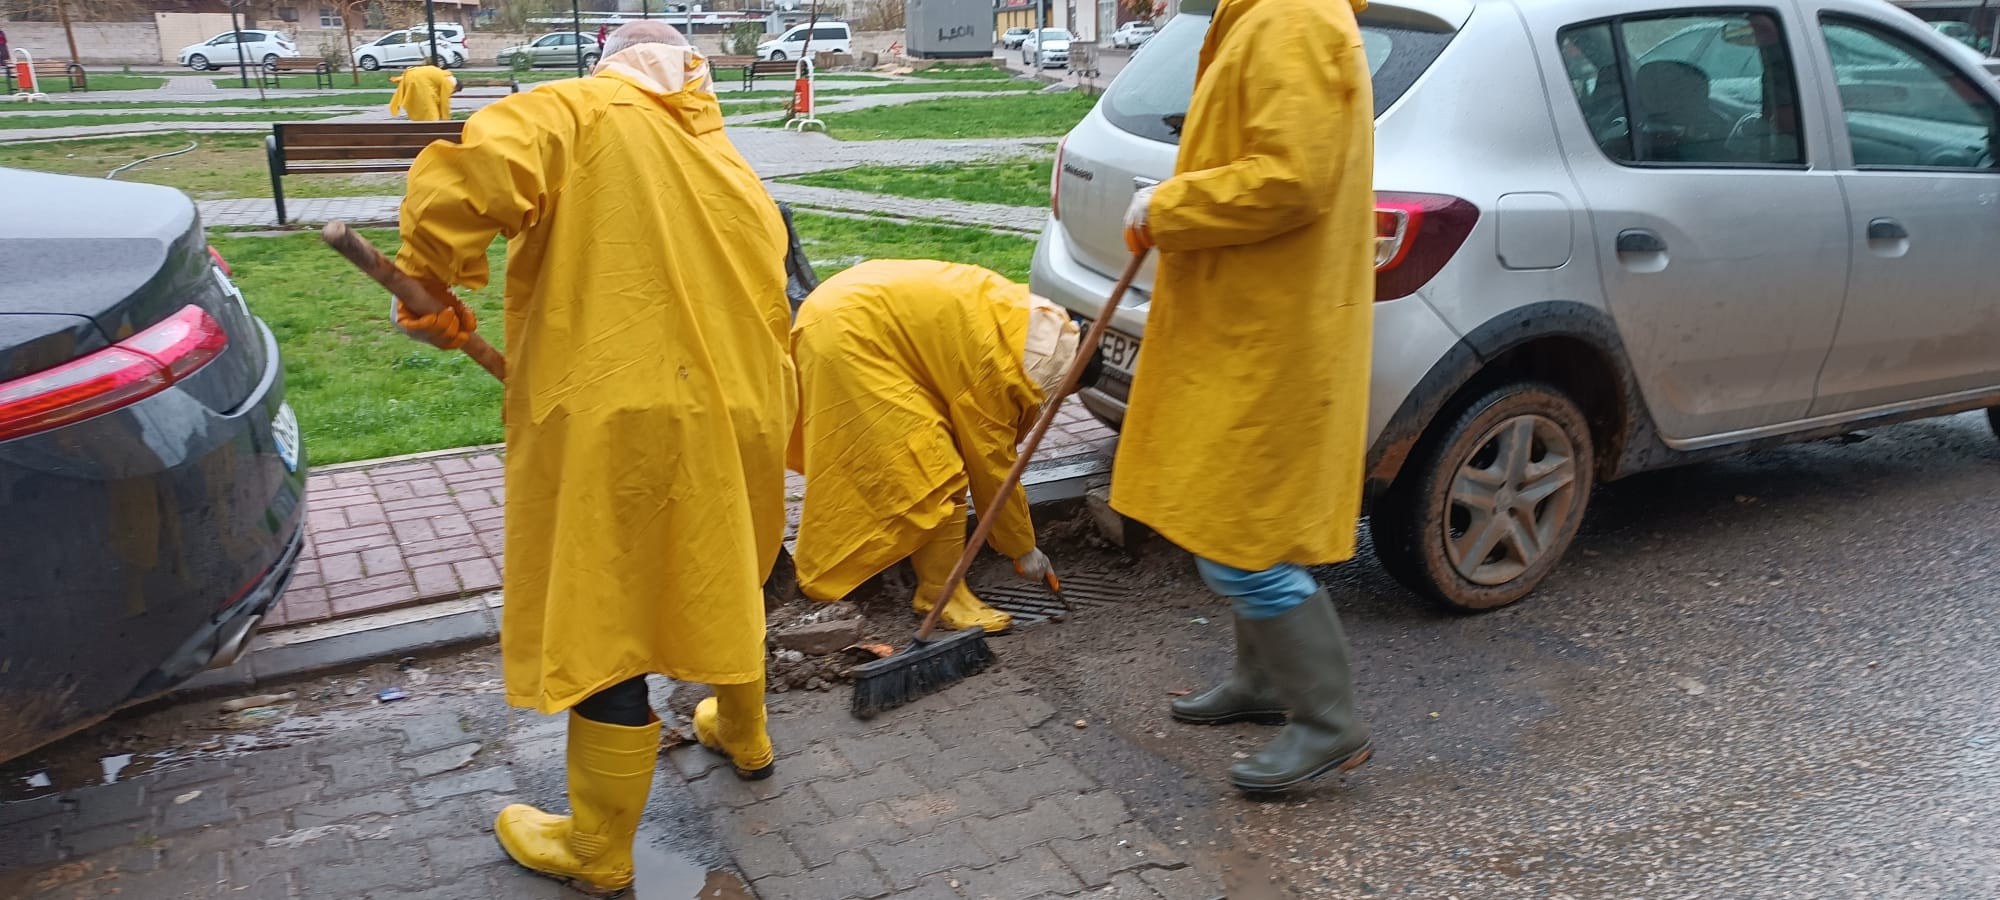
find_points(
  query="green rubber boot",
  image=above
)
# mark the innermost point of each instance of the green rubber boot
(1305, 655)
(1246, 695)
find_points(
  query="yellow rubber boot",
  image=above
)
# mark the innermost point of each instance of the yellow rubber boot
(732, 723)
(610, 777)
(933, 562)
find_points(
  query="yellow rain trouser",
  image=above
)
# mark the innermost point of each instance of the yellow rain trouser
(933, 562)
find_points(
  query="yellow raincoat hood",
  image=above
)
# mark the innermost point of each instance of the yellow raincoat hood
(649, 395)
(1245, 436)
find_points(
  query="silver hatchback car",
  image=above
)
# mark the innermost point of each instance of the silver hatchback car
(1612, 236)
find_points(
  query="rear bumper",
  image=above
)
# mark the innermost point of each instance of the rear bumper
(138, 547)
(221, 640)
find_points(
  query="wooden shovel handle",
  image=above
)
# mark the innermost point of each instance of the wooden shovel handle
(988, 514)
(414, 296)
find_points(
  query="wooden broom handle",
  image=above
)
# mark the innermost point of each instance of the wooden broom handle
(988, 514)
(414, 296)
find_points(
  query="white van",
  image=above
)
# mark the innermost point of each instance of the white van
(827, 37)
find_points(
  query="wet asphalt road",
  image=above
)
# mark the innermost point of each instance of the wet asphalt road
(1768, 677)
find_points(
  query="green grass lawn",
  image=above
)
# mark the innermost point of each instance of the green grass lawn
(754, 106)
(15, 123)
(224, 165)
(971, 72)
(342, 81)
(348, 98)
(107, 81)
(363, 390)
(1006, 115)
(834, 243)
(1018, 182)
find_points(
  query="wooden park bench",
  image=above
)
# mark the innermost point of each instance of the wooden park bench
(787, 69)
(349, 148)
(52, 68)
(512, 84)
(321, 70)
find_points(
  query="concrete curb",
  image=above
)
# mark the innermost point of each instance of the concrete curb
(288, 653)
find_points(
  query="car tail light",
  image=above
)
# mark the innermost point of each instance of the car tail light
(221, 263)
(1055, 180)
(1415, 235)
(117, 376)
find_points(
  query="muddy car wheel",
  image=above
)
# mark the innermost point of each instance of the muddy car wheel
(1493, 503)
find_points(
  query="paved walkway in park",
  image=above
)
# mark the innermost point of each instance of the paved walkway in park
(254, 211)
(392, 533)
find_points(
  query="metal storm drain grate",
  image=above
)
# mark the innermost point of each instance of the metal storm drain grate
(1033, 605)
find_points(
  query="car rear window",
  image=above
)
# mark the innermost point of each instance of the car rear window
(1150, 98)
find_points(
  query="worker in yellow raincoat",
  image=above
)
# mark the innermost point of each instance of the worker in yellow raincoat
(648, 403)
(1245, 435)
(918, 380)
(426, 92)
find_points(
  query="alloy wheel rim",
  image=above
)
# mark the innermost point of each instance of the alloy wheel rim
(1511, 498)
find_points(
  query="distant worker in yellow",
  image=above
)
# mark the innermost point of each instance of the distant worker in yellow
(649, 399)
(1244, 440)
(425, 91)
(917, 381)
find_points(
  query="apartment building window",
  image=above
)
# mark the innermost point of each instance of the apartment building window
(329, 17)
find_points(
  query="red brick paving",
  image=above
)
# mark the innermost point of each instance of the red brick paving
(404, 531)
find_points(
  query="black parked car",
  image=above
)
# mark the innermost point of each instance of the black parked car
(152, 486)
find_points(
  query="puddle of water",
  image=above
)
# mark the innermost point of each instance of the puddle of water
(665, 875)
(39, 780)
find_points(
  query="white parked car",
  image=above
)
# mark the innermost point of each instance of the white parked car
(827, 37)
(255, 47)
(411, 47)
(1013, 37)
(1132, 35)
(1046, 49)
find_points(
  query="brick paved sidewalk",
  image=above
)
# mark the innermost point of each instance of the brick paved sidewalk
(396, 532)
(957, 797)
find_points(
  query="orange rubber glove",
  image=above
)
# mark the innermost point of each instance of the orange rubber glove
(447, 329)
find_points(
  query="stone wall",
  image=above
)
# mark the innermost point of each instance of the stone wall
(99, 43)
(139, 43)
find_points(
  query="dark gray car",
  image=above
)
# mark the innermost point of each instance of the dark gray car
(151, 480)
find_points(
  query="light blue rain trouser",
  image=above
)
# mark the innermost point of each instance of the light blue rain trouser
(1259, 595)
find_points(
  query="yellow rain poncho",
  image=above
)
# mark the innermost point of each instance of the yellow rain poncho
(1245, 436)
(912, 389)
(649, 395)
(425, 91)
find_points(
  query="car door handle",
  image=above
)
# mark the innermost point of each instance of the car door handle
(1639, 240)
(1887, 230)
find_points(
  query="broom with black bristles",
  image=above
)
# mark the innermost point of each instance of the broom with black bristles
(932, 664)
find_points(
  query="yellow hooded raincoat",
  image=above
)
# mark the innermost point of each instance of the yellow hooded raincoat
(426, 92)
(649, 396)
(911, 389)
(1245, 438)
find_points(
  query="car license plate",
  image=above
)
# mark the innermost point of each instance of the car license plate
(285, 434)
(1121, 353)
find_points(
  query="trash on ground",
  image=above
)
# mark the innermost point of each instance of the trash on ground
(242, 703)
(392, 695)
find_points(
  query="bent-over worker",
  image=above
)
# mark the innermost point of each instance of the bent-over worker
(918, 380)
(426, 92)
(648, 401)
(1244, 439)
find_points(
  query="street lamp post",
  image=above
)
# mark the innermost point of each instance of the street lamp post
(236, 31)
(576, 34)
(431, 21)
